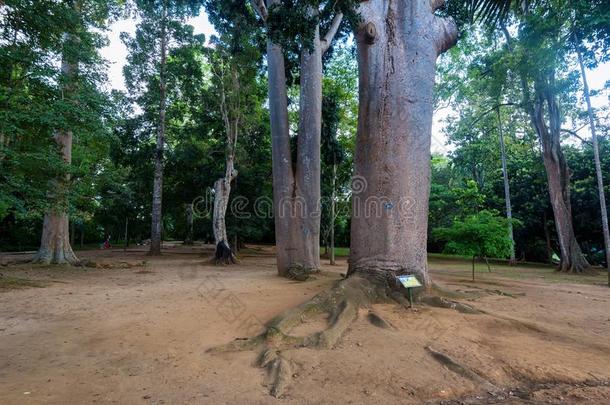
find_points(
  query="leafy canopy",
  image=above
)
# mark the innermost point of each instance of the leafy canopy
(484, 234)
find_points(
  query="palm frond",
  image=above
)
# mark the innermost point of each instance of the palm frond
(490, 11)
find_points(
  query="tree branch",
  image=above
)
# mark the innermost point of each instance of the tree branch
(573, 133)
(332, 31)
(436, 4)
(260, 8)
(495, 107)
(446, 33)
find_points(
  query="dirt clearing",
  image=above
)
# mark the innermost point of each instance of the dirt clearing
(136, 330)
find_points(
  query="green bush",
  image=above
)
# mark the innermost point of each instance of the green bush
(484, 234)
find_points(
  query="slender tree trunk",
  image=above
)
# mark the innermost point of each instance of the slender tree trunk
(509, 210)
(474, 261)
(3, 143)
(157, 199)
(82, 235)
(188, 240)
(333, 197)
(558, 175)
(598, 165)
(55, 245)
(557, 170)
(72, 233)
(222, 191)
(126, 233)
(398, 44)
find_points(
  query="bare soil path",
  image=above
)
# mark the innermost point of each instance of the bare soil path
(137, 333)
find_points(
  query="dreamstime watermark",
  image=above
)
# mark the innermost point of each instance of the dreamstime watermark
(233, 310)
(362, 204)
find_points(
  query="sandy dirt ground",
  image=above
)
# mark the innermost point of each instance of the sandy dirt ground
(138, 333)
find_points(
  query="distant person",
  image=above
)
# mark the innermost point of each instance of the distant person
(106, 245)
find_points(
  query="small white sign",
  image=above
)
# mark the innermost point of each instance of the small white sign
(409, 281)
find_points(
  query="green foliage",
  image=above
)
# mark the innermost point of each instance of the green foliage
(292, 23)
(37, 100)
(339, 122)
(484, 234)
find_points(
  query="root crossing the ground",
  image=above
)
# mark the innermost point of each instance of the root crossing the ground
(341, 304)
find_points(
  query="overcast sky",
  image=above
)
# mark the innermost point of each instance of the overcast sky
(116, 54)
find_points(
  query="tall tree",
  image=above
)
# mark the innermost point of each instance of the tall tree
(77, 96)
(55, 243)
(398, 44)
(509, 208)
(589, 21)
(234, 92)
(297, 184)
(541, 42)
(333, 155)
(159, 31)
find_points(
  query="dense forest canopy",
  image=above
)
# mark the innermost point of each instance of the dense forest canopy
(388, 201)
(490, 82)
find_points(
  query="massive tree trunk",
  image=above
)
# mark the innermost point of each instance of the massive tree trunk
(509, 209)
(558, 173)
(598, 166)
(157, 199)
(296, 192)
(398, 44)
(306, 204)
(55, 245)
(283, 177)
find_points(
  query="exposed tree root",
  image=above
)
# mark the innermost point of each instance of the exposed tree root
(15, 262)
(278, 368)
(440, 302)
(459, 369)
(378, 321)
(224, 254)
(341, 305)
(300, 273)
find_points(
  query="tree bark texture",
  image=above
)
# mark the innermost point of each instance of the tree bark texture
(157, 198)
(509, 209)
(306, 208)
(222, 191)
(558, 173)
(283, 177)
(398, 44)
(55, 245)
(598, 166)
(188, 240)
(296, 191)
(333, 215)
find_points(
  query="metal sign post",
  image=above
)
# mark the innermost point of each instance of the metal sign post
(410, 282)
